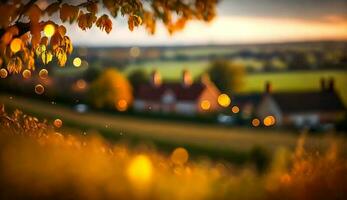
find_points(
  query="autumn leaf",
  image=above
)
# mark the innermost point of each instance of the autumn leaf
(34, 13)
(92, 7)
(54, 7)
(104, 23)
(46, 57)
(86, 20)
(68, 13)
(15, 65)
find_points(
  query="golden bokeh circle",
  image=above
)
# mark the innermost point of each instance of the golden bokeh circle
(77, 62)
(43, 74)
(255, 122)
(49, 30)
(26, 74)
(16, 45)
(3, 73)
(269, 121)
(205, 105)
(39, 89)
(235, 109)
(224, 100)
(58, 123)
(179, 156)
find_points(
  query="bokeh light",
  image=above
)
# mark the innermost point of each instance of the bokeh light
(205, 105)
(122, 105)
(269, 121)
(77, 62)
(26, 74)
(39, 89)
(224, 100)
(140, 170)
(43, 74)
(255, 122)
(58, 123)
(135, 52)
(16, 45)
(81, 84)
(49, 30)
(235, 109)
(179, 156)
(3, 73)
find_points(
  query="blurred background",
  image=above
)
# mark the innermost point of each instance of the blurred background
(256, 75)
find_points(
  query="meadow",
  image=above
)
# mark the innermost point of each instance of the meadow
(254, 82)
(40, 161)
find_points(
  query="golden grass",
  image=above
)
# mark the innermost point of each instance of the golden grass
(39, 163)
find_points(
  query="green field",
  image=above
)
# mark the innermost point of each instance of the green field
(281, 81)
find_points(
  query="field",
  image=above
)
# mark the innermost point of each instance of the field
(281, 81)
(224, 142)
(40, 161)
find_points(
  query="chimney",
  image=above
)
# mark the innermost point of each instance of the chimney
(156, 78)
(186, 78)
(331, 85)
(322, 84)
(268, 87)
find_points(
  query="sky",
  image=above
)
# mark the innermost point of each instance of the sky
(237, 22)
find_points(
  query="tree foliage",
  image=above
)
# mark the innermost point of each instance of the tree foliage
(138, 77)
(227, 76)
(111, 90)
(22, 24)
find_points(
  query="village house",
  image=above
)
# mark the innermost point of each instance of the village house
(185, 97)
(302, 109)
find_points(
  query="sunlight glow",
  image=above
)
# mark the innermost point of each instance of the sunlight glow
(49, 30)
(140, 170)
(255, 122)
(122, 105)
(58, 123)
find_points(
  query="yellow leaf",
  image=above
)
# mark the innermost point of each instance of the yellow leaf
(46, 57)
(15, 65)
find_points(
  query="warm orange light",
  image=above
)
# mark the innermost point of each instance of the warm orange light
(16, 45)
(255, 122)
(39, 89)
(224, 100)
(179, 156)
(49, 30)
(43, 74)
(26, 74)
(140, 170)
(235, 109)
(205, 105)
(77, 62)
(81, 84)
(3, 73)
(58, 123)
(122, 105)
(269, 121)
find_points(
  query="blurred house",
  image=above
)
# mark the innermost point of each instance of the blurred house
(185, 97)
(302, 109)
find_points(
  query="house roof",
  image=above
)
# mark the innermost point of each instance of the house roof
(321, 101)
(182, 93)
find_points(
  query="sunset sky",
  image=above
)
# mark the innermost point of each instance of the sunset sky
(239, 21)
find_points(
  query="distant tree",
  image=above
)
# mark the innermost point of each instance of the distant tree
(138, 77)
(111, 90)
(34, 29)
(228, 77)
